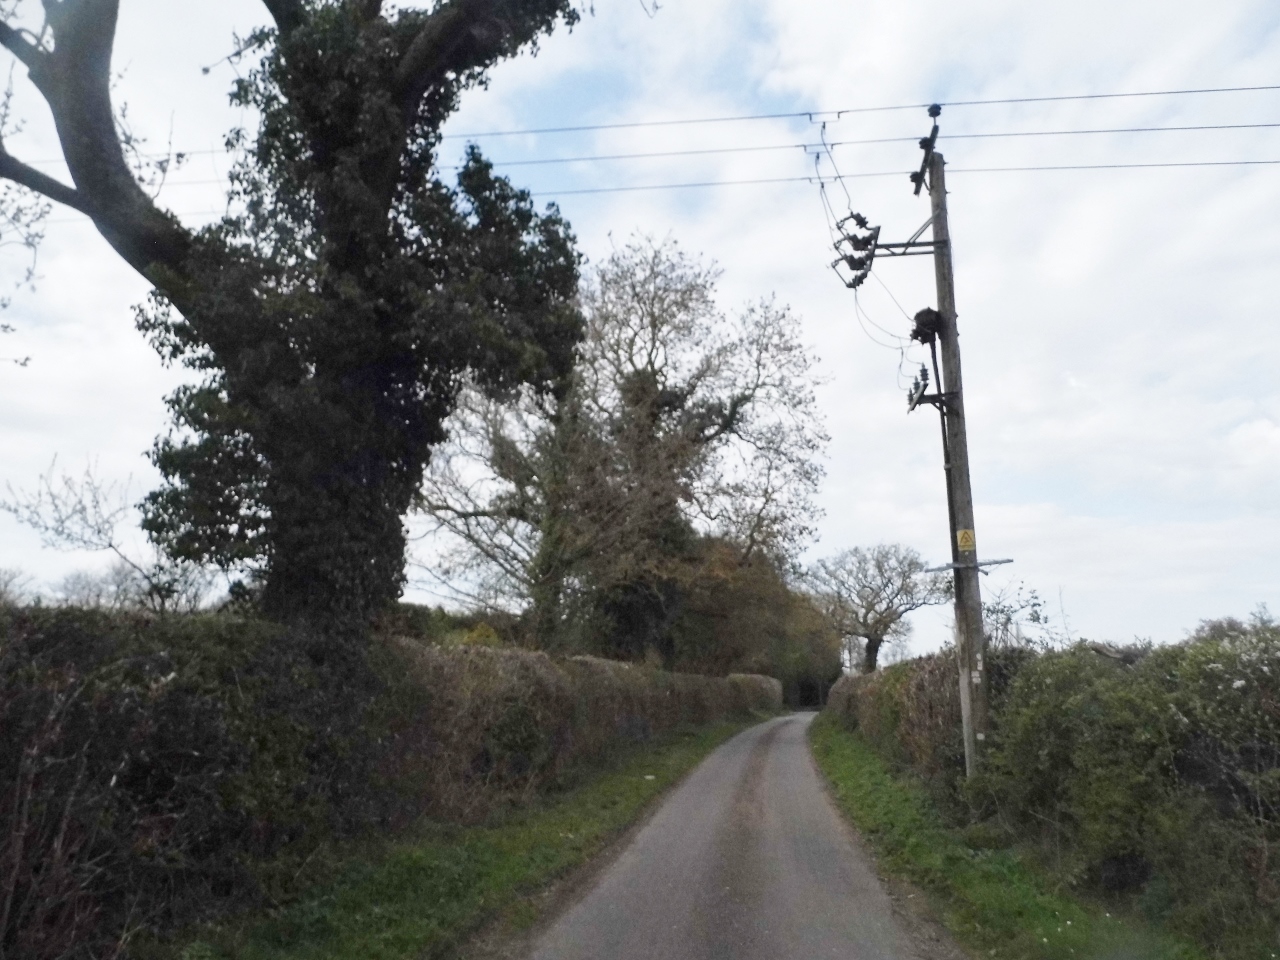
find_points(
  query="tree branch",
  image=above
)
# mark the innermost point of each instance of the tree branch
(75, 79)
(729, 420)
(457, 513)
(286, 13)
(454, 37)
(13, 169)
(22, 48)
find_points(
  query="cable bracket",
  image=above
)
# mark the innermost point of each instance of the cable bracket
(972, 565)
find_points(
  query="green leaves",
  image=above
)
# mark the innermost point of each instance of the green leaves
(337, 311)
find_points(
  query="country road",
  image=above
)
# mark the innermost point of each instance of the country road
(746, 860)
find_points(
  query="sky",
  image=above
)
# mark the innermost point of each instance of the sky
(1117, 325)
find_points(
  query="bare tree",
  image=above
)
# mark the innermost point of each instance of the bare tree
(677, 422)
(1014, 616)
(14, 587)
(85, 513)
(867, 592)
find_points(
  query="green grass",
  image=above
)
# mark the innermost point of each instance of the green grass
(422, 895)
(994, 903)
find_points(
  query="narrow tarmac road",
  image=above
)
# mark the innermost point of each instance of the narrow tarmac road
(746, 860)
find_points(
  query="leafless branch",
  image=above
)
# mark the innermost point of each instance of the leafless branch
(13, 169)
(86, 514)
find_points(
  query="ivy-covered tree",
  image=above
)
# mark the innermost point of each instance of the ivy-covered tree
(332, 317)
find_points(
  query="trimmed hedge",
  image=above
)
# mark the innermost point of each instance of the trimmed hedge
(1157, 781)
(158, 772)
(500, 723)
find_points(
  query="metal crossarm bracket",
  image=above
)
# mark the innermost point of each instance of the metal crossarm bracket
(913, 247)
(972, 565)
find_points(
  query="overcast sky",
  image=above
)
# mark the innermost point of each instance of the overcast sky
(1119, 327)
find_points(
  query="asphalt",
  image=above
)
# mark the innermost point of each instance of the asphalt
(745, 860)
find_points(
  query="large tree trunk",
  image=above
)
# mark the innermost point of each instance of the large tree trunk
(337, 554)
(547, 592)
(870, 653)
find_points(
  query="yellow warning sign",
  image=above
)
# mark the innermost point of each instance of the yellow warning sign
(966, 541)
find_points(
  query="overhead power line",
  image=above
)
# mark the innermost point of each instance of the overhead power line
(1118, 166)
(815, 145)
(1067, 133)
(817, 114)
(901, 173)
(812, 178)
(710, 151)
(716, 183)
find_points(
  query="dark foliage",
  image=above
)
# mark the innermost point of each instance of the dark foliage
(160, 771)
(337, 318)
(333, 318)
(741, 615)
(145, 761)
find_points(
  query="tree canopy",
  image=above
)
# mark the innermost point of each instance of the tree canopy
(677, 423)
(867, 593)
(332, 317)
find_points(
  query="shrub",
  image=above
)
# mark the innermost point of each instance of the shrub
(1162, 777)
(155, 771)
(911, 711)
(1155, 775)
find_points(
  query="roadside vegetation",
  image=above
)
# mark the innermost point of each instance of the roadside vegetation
(624, 548)
(654, 505)
(1142, 778)
(160, 771)
(421, 895)
(995, 903)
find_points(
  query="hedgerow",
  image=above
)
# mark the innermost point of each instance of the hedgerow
(156, 772)
(1153, 779)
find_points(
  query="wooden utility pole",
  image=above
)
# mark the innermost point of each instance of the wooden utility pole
(970, 641)
(857, 249)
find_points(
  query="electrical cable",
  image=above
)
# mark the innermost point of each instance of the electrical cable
(899, 348)
(1066, 133)
(870, 336)
(1118, 166)
(808, 147)
(831, 158)
(893, 298)
(812, 114)
(829, 211)
(878, 173)
(904, 173)
(829, 145)
(712, 183)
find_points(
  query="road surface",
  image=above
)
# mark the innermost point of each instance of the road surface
(746, 860)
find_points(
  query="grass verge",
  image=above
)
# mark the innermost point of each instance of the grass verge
(993, 903)
(421, 895)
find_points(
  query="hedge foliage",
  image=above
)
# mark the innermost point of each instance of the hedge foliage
(1156, 781)
(156, 772)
